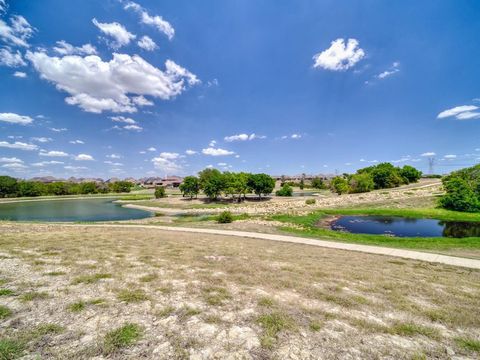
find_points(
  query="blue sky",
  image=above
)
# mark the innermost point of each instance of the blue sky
(121, 88)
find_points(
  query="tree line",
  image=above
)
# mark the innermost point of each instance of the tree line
(462, 190)
(214, 183)
(11, 187)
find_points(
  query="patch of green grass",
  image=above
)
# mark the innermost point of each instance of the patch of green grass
(136, 197)
(309, 228)
(216, 295)
(411, 329)
(212, 319)
(468, 343)
(6, 292)
(266, 302)
(3, 281)
(45, 329)
(77, 306)
(148, 278)
(187, 312)
(272, 324)
(121, 337)
(4, 312)
(315, 325)
(90, 279)
(166, 311)
(34, 295)
(98, 301)
(55, 273)
(132, 296)
(11, 349)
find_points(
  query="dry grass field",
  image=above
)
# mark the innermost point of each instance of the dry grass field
(82, 293)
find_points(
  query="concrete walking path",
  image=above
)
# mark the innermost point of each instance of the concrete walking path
(402, 253)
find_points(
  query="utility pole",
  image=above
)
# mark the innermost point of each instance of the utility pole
(431, 163)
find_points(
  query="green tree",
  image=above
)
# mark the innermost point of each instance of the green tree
(410, 174)
(384, 175)
(317, 183)
(88, 188)
(190, 186)
(30, 188)
(459, 195)
(261, 184)
(120, 186)
(8, 186)
(160, 192)
(339, 185)
(360, 183)
(285, 190)
(212, 182)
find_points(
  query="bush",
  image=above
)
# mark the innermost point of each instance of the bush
(317, 183)
(160, 192)
(360, 183)
(461, 195)
(339, 185)
(225, 217)
(190, 186)
(310, 201)
(286, 190)
(261, 184)
(410, 174)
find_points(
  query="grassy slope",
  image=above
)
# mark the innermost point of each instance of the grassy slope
(311, 230)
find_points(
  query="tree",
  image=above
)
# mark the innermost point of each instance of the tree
(410, 174)
(60, 188)
(160, 192)
(121, 186)
(30, 188)
(360, 183)
(190, 186)
(212, 182)
(88, 188)
(339, 185)
(8, 186)
(317, 183)
(459, 196)
(261, 184)
(384, 175)
(285, 190)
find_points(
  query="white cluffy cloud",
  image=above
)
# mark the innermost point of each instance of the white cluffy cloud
(20, 74)
(123, 119)
(147, 43)
(96, 86)
(76, 142)
(293, 136)
(18, 145)
(84, 157)
(463, 112)
(120, 35)
(132, 128)
(64, 48)
(10, 160)
(53, 153)
(429, 153)
(216, 152)
(15, 118)
(243, 137)
(339, 56)
(42, 139)
(190, 152)
(166, 162)
(450, 157)
(114, 156)
(391, 71)
(156, 21)
(44, 163)
(10, 58)
(18, 32)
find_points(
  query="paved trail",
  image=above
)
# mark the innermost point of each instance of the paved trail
(407, 254)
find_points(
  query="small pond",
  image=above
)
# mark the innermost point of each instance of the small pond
(69, 210)
(304, 193)
(405, 227)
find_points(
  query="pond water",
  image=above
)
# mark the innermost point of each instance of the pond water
(405, 227)
(69, 210)
(304, 193)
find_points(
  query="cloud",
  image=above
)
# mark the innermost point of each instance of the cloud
(44, 163)
(151, 148)
(114, 156)
(212, 143)
(115, 30)
(450, 157)
(10, 58)
(96, 86)
(58, 129)
(190, 152)
(216, 152)
(463, 112)
(166, 162)
(123, 119)
(243, 137)
(84, 157)
(18, 145)
(142, 101)
(75, 168)
(18, 32)
(339, 56)
(369, 161)
(53, 153)
(157, 21)
(147, 43)
(133, 128)
(64, 48)
(10, 160)
(293, 136)
(113, 163)
(13, 118)
(14, 166)
(430, 153)
(391, 71)
(42, 139)
(20, 74)
(76, 142)
(3, 6)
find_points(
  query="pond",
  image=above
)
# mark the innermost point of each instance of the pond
(69, 210)
(405, 227)
(304, 193)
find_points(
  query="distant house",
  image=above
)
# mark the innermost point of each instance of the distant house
(169, 182)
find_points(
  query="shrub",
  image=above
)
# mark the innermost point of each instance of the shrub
(261, 184)
(410, 174)
(160, 192)
(190, 186)
(461, 195)
(310, 201)
(225, 217)
(317, 183)
(285, 190)
(360, 183)
(122, 337)
(339, 185)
